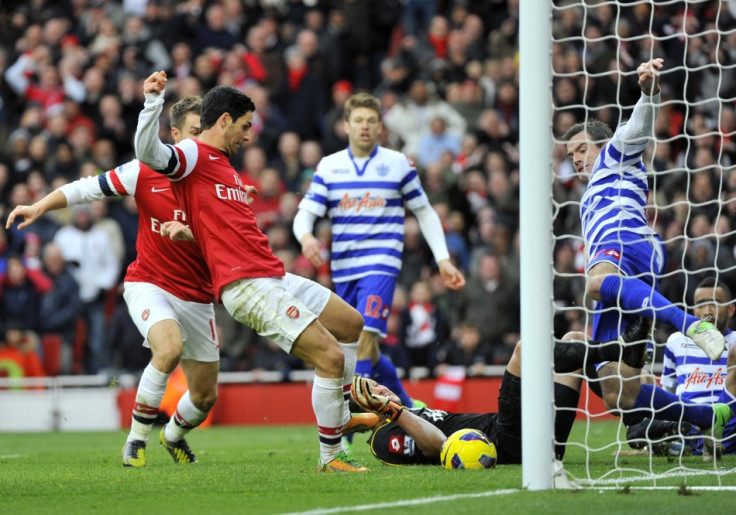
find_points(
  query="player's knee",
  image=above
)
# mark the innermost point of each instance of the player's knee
(168, 356)
(593, 286)
(204, 400)
(618, 401)
(517, 351)
(353, 325)
(325, 355)
(332, 361)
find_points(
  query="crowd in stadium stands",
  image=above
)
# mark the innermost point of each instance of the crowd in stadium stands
(447, 74)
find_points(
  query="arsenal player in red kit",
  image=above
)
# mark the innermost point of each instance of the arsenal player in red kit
(301, 316)
(168, 292)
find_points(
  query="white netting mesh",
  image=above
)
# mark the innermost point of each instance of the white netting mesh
(596, 48)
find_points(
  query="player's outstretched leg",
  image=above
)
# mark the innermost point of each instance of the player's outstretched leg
(573, 352)
(635, 296)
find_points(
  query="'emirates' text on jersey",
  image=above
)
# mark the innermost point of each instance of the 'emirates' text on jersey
(177, 267)
(613, 207)
(365, 200)
(222, 221)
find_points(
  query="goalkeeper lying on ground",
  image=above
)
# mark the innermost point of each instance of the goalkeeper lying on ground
(412, 436)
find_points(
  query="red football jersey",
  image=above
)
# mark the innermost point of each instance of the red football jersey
(177, 267)
(222, 221)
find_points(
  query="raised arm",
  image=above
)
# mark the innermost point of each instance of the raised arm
(148, 148)
(639, 129)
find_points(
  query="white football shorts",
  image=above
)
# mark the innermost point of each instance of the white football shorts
(148, 304)
(277, 308)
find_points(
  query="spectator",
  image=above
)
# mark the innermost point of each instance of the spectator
(423, 327)
(18, 357)
(96, 270)
(436, 141)
(408, 118)
(300, 96)
(60, 306)
(487, 292)
(466, 349)
(20, 293)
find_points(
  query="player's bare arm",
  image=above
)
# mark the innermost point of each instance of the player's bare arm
(54, 200)
(176, 231)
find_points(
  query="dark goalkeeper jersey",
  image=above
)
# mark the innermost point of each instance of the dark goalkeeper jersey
(390, 444)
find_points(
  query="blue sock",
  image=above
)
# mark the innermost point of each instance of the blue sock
(727, 398)
(669, 406)
(385, 373)
(363, 368)
(639, 298)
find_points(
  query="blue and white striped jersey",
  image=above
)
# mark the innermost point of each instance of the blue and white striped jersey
(365, 200)
(690, 373)
(613, 207)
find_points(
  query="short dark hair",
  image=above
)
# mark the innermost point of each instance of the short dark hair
(224, 99)
(182, 108)
(712, 282)
(598, 131)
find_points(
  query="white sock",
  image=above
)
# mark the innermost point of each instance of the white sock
(147, 402)
(351, 357)
(327, 404)
(186, 418)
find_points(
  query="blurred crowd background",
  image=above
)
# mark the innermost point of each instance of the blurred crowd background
(446, 71)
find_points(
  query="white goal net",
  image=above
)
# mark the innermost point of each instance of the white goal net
(596, 47)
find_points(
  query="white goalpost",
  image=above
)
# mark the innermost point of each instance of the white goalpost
(699, 99)
(535, 186)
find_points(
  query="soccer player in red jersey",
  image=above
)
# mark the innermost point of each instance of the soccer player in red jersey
(304, 318)
(168, 291)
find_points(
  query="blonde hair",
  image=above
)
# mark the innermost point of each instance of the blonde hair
(182, 108)
(362, 100)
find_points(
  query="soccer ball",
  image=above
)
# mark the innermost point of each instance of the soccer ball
(468, 449)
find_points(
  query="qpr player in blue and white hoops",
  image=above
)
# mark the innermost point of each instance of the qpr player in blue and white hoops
(626, 258)
(364, 190)
(625, 255)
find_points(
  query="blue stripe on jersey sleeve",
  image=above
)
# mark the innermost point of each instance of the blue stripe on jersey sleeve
(380, 251)
(367, 220)
(391, 202)
(347, 236)
(610, 197)
(317, 179)
(622, 158)
(316, 198)
(409, 177)
(636, 181)
(386, 185)
(102, 179)
(337, 274)
(413, 194)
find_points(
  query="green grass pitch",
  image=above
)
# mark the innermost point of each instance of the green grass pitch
(268, 470)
